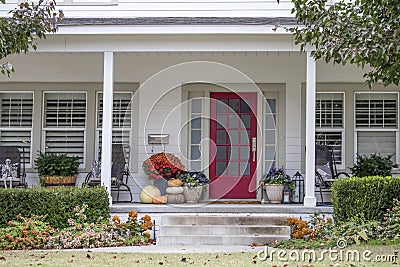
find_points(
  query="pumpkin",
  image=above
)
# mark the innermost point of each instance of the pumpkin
(174, 190)
(160, 200)
(176, 199)
(148, 192)
(174, 182)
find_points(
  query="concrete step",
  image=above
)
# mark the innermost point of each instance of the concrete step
(234, 229)
(224, 220)
(218, 239)
(225, 230)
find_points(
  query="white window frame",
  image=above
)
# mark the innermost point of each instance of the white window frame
(336, 129)
(202, 121)
(98, 129)
(84, 129)
(270, 95)
(363, 129)
(30, 129)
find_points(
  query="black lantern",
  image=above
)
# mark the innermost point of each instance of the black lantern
(298, 180)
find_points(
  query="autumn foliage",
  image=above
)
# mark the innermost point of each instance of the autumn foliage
(163, 165)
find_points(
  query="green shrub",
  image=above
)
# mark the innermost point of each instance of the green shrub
(363, 199)
(373, 165)
(57, 203)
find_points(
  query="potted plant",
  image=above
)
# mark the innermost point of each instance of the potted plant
(193, 184)
(161, 167)
(57, 169)
(274, 182)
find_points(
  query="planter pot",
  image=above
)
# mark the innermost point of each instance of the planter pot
(274, 193)
(56, 181)
(192, 195)
(162, 185)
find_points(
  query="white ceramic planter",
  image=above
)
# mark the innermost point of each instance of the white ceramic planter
(274, 193)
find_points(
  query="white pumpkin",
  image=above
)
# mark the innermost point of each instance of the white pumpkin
(148, 193)
(174, 190)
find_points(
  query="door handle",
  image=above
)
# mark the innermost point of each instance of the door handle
(254, 147)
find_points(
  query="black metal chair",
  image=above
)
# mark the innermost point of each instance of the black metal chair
(15, 160)
(325, 170)
(120, 172)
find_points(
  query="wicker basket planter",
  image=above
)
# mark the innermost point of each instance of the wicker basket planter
(55, 181)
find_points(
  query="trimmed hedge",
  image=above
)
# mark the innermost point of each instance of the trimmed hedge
(57, 203)
(364, 199)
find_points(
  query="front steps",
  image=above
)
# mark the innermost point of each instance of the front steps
(222, 230)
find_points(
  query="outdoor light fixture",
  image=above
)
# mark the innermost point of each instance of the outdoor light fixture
(158, 139)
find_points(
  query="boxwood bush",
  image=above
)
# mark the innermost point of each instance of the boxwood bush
(57, 203)
(364, 199)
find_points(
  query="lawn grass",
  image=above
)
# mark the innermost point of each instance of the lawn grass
(237, 259)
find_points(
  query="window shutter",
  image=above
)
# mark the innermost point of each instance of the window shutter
(376, 110)
(329, 110)
(65, 123)
(329, 123)
(122, 119)
(383, 143)
(16, 122)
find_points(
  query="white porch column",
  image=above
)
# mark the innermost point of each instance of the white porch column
(309, 199)
(106, 140)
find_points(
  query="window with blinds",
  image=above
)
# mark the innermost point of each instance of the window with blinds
(64, 123)
(376, 123)
(329, 123)
(16, 122)
(195, 133)
(122, 119)
(376, 110)
(329, 110)
(334, 141)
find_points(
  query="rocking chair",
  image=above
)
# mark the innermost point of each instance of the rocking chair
(325, 170)
(12, 166)
(119, 172)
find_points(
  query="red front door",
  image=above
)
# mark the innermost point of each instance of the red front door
(233, 127)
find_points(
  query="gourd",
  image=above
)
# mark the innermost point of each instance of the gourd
(160, 200)
(176, 199)
(174, 182)
(148, 193)
(174, 190)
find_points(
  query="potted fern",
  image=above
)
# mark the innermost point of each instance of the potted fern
(57, 169)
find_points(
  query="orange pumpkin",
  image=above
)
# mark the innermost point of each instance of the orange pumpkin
(175, 182)
(160, 200)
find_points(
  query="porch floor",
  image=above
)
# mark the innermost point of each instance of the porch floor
(289, 209)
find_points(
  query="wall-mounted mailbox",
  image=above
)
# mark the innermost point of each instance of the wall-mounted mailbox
(158, 139)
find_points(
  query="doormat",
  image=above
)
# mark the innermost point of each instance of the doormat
(233, 202)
